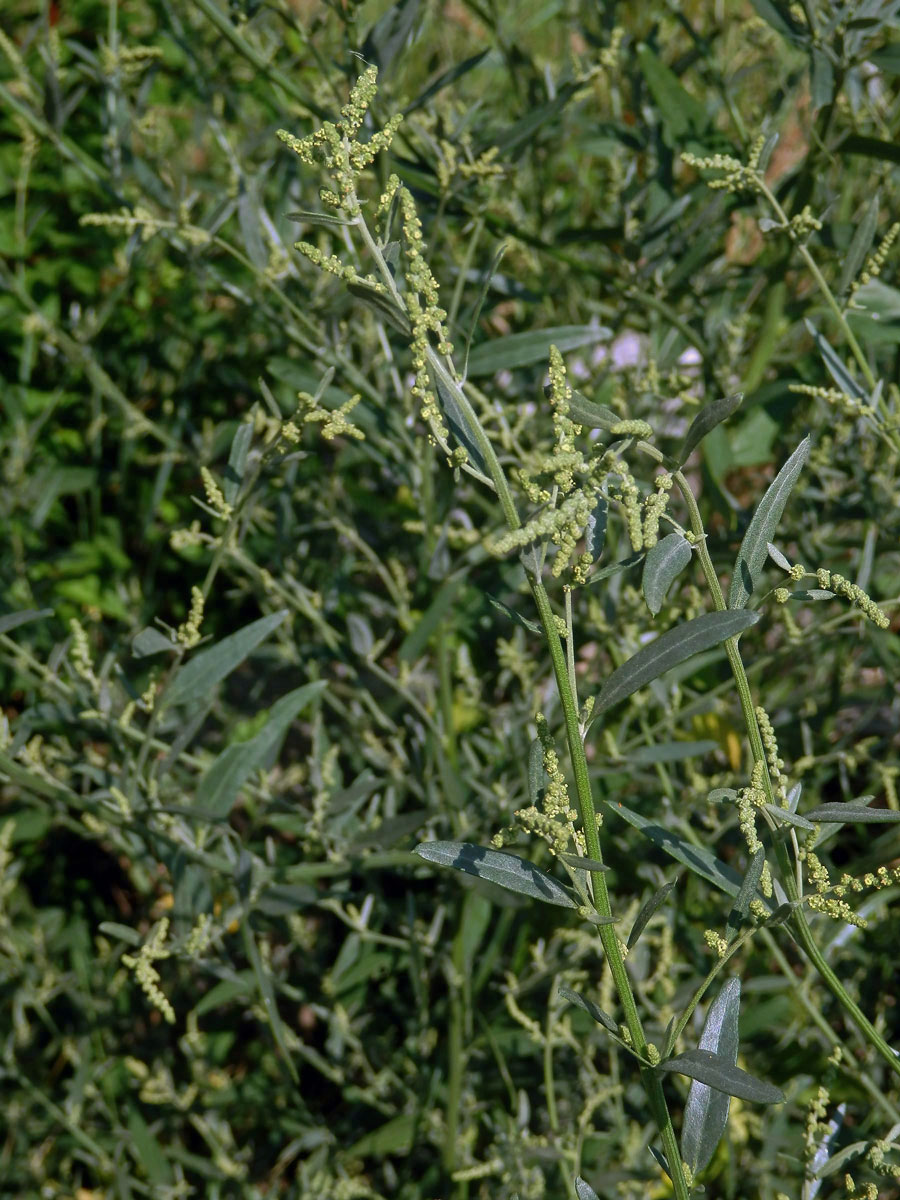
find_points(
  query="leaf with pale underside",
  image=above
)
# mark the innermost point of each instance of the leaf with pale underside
(496, 866)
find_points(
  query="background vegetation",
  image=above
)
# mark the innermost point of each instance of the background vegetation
(326, 1016)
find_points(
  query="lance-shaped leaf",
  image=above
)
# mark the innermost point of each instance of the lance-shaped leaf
(696, 858)
(601, 1017)
(717, 1072)
(836, 368)
(855, 813)
(526, 349)
(670, 649)
(582, 863)
(584, 1191)
(209, 667)
(761, 530)
(506, 870)
(664, 562)
(860, 244)
(456, 417)
(738, 914)
(14, 620)
(706, 420)
(706, 1110)
(219, 787)
(649, 908)
(382, 304)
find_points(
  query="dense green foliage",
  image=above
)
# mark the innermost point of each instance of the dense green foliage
(223, 973)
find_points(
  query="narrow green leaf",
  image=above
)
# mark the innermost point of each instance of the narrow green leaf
(853, 813)
(445, 79)
(664, 563)
(706, 1110)
(835, 366)
(527, 349)
(777, 14)
(790, 818)
(479, 303)
(389, 35)
(14, 620)
(752, 554)
(123, 932)
(506, 870)
(457, 420)
(670, 649)
(591, 415)
(583, 864)
(595, 533)
(706, 420)
(584, 1191)
(821, 79)
(860, 244)
(531, 626)
(719, 1073)
(196, 678)
(537, 776)
(696, 858)
(149, 1152)
(150, 641)
(237, 461)
(219, 787)
(680, 114)
(616, 567)
(318, 218)
(267, 992)
(738, 914)
(589, 1007)
(777, 557)
(648, 909)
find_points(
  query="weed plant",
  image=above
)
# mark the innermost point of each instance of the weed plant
(500, 471)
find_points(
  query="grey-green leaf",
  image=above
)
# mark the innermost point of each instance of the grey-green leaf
(318, 218)
(670, 649)
(582, 863)
(588, 1006)
(860, 244)
(664, 562)
(754, 547)
(527, 349)
(584, 1191)
(649, 908)
(199, 676)
(706, 1110)
(457, 419)
(150, 641)
(836, 368)
(738, 914)
(382, 304)
(595, 533)
(696, 858)
(14, 620)
(706, 420)
(777, 557)
(667, 752)
(854, 813)
(591, 415)
(237, 461)
(717, 1072)
(496, 866)
(219, 787)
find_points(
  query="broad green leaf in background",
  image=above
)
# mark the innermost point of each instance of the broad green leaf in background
(527, 349)
(707, 419)
(199, 676)
(670, 649)
(506, 870)
(716, 1071)
(219, 787)
(413, 645)
(648, 909)
(754, 547)
(706, 1109)
(664, 562)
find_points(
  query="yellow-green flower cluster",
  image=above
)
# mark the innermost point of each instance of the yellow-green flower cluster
(748, 801)
(628, 497)
(336, 145)
(876, 261)
(214, 497)
(563, 526)
(334, 420)
(836, 583)
(804, 223)
(145, 972)
(188, 634)
(736, 176)
(654, 507)
(846, 405)
(554, 821)
(770, 745)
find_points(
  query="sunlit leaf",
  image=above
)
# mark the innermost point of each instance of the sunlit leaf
(664, 563)
(706, 420)
(706, 1109)
(853, 813)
